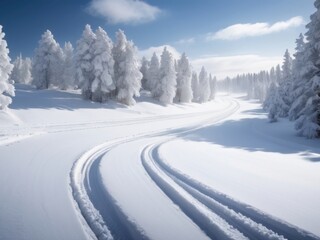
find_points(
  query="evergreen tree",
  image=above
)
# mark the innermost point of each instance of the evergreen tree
(282, 102)
(299, 99)
(47, 62)
(184, 90)
(126, 68)
(144, 69)
(21, 72)
(195, 86)
(278, 74)
(68, 75)
(103, 86)
(153, 79)
(213, 83)
(6, 86)
(167, 78)
(308, 124)
(270, 98)
(204, 86)
(84, 62)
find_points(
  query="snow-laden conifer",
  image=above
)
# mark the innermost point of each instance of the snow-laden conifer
(308, 124)
(153, 80)
(126, 69)
(195, 86)
(68, 75)
(213, 87)
(184, 89)
(167, 78)
(204, 86)
(47, 62)
(21, 72)
(144, 70)
(6, 86)
(298, 89)
(103, 86)
(84, 62)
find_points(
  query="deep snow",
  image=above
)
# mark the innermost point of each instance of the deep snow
(45, 134)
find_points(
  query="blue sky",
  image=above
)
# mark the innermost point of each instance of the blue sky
(227, 36)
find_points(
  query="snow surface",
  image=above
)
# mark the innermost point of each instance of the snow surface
(67, 164)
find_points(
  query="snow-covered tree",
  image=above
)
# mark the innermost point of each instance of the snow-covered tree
(84, 62)
(184, 90)
(298, 88)
(6, 86)
(103, 86)
(270, 98)
(195, 86)
(281, 104)
(68, 75)
(278, 74)
(213, 87)
(21, 72)
(308, 124)
(167, 78)
(126, 69)
(47, 62)
(144, 70)
(153, 80)
(204, 86)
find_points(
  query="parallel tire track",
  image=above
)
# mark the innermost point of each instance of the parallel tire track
(253, 223)
(99, 210)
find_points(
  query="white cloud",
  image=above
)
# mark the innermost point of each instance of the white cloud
(124, 11)
(223, 66)
(158, 50)
(186, 41)
(238, 31)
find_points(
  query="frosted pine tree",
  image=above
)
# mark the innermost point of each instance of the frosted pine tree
(47, 62)
(167, 78)
(184, 90)
(126, 68)
(282, 102)
(144, 70)
(84, 62)
(21, 72)
(270, 96)
(16, 71)
(26, 71)
(195, 86)
(272, 75)
(153, 80)
(278, 74)
(6, 86)
(204, 86)
(68, 75)
(299, 99)
(308, 124)
(103, 86)
(213, 87)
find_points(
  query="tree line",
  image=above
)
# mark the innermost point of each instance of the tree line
(104, 70)
(293, 90)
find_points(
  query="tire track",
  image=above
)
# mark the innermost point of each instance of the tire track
(98, 208)
(253, 223)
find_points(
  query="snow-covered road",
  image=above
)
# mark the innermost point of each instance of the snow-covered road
(127, 177)
(109, 179)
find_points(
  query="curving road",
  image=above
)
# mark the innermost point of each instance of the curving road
(120, 189)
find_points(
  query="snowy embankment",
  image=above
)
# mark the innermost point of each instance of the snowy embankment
(153, 172)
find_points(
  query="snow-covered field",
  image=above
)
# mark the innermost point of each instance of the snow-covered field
(71, 169)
